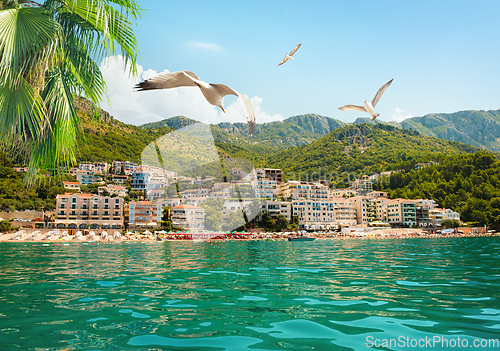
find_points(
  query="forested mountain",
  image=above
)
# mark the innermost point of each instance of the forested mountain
(366, 148)
(477, 128)
(268, 137)
(468, 184)
(107, 139)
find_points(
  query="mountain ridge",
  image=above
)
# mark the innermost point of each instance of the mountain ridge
(479, 128)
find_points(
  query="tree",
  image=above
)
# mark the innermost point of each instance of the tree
(450, 223)
(48, 54)
(166, 213)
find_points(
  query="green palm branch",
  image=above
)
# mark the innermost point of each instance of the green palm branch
(48, 55)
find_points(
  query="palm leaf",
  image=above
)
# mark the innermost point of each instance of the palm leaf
(22, 112)
(29, 39)
(111, 28)
(57, 147)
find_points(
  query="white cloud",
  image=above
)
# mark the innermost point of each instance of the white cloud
(136, 107)
(205, 46)
(398, 116)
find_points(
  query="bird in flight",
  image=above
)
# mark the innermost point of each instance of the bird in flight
(369, 106)
(214, 93)
(288, 56)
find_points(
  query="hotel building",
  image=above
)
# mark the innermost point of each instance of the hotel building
(304, 190)
(88, 211)
(143, 213)
(188, 217)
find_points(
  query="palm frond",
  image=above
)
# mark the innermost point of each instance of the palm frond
(59, 147)
(112, 29)
(22, 112)
(88, 79)
(29, 39)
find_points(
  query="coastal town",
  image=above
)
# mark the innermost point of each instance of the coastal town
(311, 205)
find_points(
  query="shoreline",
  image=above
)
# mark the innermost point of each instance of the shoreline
(49, 237)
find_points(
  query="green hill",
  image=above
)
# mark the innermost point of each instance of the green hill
(468, 184)
(477, 128)
(364, 148)
(107, 139)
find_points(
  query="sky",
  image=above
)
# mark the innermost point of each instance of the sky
(443, 56)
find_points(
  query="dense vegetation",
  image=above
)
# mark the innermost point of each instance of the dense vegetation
(477, 128)
(362, 148)
(14, 195)
(468, 184)
(110, 140)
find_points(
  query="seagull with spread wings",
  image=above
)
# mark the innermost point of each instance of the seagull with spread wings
(214, 93)
(288, 56)
(369, 106)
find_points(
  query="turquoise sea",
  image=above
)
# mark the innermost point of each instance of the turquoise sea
(252, 295)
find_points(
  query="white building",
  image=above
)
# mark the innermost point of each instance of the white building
(304, 190)
(324, 215)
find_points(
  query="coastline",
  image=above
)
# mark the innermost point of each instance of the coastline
(35, 236)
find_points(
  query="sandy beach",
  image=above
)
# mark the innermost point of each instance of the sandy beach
(116, 236)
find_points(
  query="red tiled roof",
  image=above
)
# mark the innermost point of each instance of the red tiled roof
(186, 206)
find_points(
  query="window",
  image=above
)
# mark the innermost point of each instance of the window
(73, 200)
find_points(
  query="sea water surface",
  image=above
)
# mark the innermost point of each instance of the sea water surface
(251, 295)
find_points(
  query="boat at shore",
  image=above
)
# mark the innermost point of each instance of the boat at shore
(300, 238)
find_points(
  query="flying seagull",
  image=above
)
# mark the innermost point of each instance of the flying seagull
(214, 93)
(289, 56)
(369, 106)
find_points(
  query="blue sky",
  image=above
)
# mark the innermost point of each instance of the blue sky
(443, 56)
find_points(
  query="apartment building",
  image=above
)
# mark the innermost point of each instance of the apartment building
(188, 217)
(381, 208)
(221, 190)
(95, 167)
(172, 202)
(192, 193)
(362, 186)
(438, 215)
(402, 212)
(139, 180)
(111, 189)
(267, 182)
(276, 208)
(345, 213)
(304, 190)
(88, 211)
(128, 167)
(320, 215)
(143, 213)
(120, 179)
(88, 177)
(365, 207)
(344, 192)
(72, 186)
